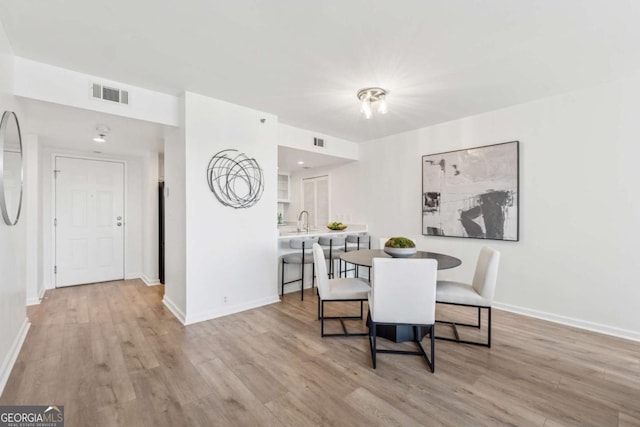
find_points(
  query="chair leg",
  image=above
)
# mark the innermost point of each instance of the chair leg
(322, 319)
(455, 328)
(282, 284)
(430, 360)
(417, 338)
(302, 279)
(489, 332)
(345, 332)
(433, 347)
(372, 342)
(318, 307)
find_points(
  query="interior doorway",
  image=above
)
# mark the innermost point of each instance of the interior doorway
(88, 220)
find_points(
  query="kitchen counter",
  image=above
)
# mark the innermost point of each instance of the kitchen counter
(288, 232)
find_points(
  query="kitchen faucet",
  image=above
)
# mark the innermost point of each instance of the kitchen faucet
(306, 228)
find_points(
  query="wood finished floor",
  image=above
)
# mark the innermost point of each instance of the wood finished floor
(113, 355)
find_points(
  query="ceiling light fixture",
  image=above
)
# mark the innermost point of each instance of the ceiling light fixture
(373, 95)
(102, 134)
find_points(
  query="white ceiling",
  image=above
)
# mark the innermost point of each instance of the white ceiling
(304, 60)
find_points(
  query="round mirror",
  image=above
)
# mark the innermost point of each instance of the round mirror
(10, 168)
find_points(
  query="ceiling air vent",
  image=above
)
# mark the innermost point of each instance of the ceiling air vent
(107, 93)
(318, 142)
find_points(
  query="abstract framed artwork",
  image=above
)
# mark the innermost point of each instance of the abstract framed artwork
(236, 180)
(472, 193)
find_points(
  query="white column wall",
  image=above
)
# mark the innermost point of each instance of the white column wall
(576, 261)
(230, 253)
(31, 199)
(150, 225)
(13, 316)
(175, 290)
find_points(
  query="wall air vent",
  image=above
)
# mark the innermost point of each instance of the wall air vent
(318, 142)
(107, 93)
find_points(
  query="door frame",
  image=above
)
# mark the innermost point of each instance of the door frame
(54, 201)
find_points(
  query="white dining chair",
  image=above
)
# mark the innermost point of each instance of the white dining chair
(403, 292)
(337, 290)
(478, 294)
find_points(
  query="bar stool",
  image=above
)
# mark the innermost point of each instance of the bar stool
(332, 246)
(305, 256)
(355, 242)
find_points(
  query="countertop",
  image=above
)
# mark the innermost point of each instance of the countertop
(288, 232)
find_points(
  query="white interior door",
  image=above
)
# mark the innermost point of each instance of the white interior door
(89, 221)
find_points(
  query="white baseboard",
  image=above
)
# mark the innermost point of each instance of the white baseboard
(33, 301)
(130, 276)
(231, 309)
(38, 299)
(570, 321)
(173, 308)
(150, 282)
(12, 355)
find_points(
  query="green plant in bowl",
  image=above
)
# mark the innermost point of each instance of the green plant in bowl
(399, 242)
(336, 226)
(400, 247)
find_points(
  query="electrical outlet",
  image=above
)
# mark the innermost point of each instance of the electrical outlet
(225, 299)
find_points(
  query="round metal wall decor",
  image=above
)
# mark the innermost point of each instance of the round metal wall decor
(236, 180)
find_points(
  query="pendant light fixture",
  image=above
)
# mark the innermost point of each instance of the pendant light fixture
(373, 97)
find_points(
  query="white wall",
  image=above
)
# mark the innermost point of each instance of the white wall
(576, 261)
(45, 82)
(13, 317)
(231, 253)
(134, 236)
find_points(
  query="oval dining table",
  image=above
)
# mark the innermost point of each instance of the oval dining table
(364, 258)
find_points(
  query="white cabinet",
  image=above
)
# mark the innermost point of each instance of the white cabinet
(284, 188)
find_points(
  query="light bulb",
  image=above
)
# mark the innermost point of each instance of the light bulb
(366, 108)
(383, 108)
(99, 138)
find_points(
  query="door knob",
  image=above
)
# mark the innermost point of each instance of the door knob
(119, 218)
(119, 224)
